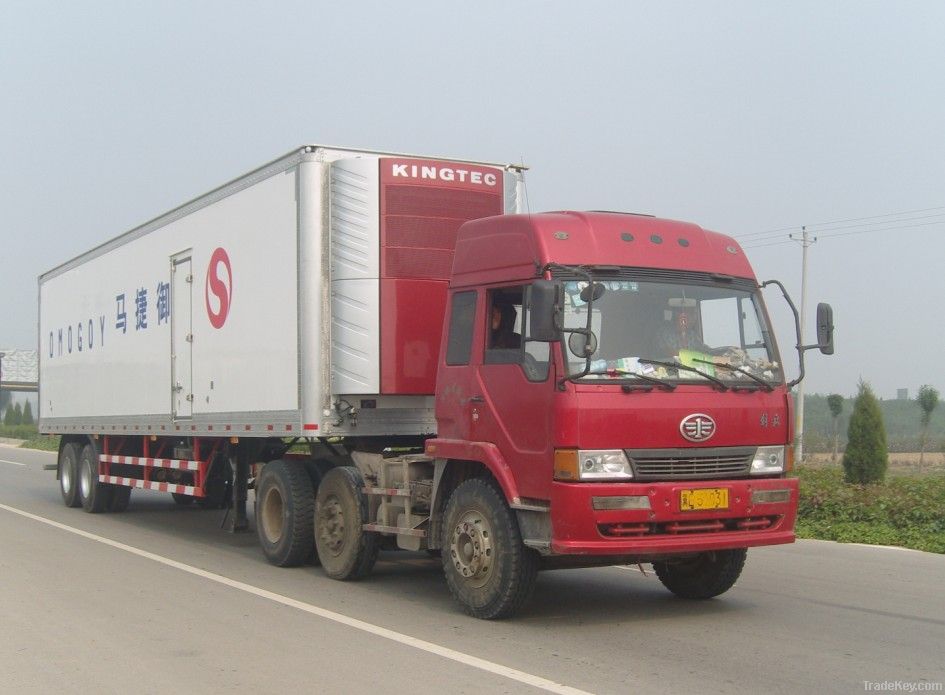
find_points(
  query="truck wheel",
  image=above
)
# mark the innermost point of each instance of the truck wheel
(488, 569)
(121, 496)
(341, 509)
(69, 475)
(285, 510)
(703, 576)
(317, 470)
(94, 495)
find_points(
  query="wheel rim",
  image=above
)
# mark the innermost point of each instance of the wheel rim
(85, 479)
(471, 548)
(273, 515)
(65, 476)
(331, 524)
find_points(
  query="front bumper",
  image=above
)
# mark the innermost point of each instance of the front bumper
(664, 529)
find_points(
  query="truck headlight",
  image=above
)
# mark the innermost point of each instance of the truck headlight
(603, 465)
(592, 464)
(768, 460)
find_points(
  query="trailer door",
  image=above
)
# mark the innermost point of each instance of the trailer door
(182, 339)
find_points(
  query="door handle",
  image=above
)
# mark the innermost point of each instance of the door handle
(477, 399)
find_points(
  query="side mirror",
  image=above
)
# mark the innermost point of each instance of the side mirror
(545, 301)
(825, 328)
(582, 345)
(593, 291)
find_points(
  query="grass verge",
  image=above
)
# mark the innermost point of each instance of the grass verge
(30, 437)
(905, 510)
(42, 442)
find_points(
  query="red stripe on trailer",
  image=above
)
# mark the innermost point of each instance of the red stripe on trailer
(309, 426)
(148, 485)
(176, 464)
(270, 427)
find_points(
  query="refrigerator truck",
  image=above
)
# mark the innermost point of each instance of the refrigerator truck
(391, 355)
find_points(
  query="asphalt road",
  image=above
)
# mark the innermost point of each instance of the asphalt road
(159, 599)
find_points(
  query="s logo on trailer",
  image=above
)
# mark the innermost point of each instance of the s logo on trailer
(219, 284)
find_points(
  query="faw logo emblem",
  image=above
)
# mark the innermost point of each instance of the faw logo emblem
(218, 289)
(697, 427)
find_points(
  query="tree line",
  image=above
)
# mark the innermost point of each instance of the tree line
(17, 415)
(866, 455)
(910, 427)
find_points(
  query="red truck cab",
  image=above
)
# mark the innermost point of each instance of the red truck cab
(617, 376)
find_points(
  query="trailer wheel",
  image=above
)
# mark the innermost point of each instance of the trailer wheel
(182, 500)
(285, 509)
(341, 509)
(488, 569)
(704, 576)
(94, 495)
(120, 498)
(69, 475)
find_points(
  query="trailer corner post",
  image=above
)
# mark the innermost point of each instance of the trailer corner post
(314, 287)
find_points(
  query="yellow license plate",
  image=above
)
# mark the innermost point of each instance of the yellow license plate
(703, 498)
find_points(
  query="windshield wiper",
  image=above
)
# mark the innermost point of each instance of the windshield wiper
(686, 368)
(764, 384)
(643, 377)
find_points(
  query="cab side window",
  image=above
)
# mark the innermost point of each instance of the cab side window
(462, 322)
(507, 340)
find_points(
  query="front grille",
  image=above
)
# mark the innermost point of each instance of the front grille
(690, 464)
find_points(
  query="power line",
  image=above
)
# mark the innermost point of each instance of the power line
(939, 217)
(761, 246)
(830, 234)
(885, 229)
(851, 219)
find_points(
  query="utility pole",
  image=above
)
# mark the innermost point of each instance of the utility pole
(806, 242)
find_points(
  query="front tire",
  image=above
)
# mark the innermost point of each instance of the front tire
(488, 569)
(345, 550)
(95, 496)
(704, 576)
(285, 512)
(69, 475)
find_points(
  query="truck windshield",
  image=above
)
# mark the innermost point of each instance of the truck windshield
(646, 327)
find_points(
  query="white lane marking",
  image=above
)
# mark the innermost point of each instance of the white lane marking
(12, 463)
(377, 630)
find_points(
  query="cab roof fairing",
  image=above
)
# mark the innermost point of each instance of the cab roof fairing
(511, 248)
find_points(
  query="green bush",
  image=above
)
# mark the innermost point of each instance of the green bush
(27, 414)
(866, 458)
(907, 511)
(44, 442)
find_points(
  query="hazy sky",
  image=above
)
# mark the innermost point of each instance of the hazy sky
(743, 117)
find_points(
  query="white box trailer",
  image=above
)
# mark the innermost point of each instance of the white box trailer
(309, 289)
